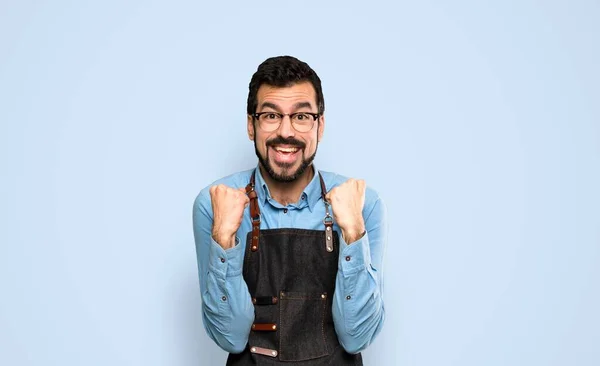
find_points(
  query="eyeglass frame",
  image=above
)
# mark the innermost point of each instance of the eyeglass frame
(315, 116)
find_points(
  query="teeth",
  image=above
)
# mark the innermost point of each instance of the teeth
(286, 149)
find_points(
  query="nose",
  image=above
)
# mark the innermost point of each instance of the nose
(285, 128)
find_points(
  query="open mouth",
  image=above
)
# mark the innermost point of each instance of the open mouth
(284, 154)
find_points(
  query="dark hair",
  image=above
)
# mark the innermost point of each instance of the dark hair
(283, 71)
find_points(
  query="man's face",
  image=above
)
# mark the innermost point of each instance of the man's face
(286, 153)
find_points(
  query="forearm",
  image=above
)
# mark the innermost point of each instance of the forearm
(358, 310)
(228, 312)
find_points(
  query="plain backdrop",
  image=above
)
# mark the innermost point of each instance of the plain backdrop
(478, 122)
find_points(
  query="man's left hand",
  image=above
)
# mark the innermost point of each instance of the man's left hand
(347, 201)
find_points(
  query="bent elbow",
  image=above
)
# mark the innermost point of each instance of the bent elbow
(232, 345)
(353, 348)
(362, 335)
(353, 344)
(238, 347)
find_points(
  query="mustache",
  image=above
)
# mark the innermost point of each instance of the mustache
(283, 141)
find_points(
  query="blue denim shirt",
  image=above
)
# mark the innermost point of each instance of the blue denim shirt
(227, 308)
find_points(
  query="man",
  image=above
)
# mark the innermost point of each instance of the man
(289, 257)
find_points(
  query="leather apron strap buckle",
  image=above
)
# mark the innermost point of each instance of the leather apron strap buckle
(328, 221)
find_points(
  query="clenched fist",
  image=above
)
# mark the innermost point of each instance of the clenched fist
(228, 206)
(347, 201)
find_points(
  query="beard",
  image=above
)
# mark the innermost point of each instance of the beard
(287, 175)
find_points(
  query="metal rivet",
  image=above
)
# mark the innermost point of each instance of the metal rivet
(253, 349)
(253, 248)
(328, 228)
(329, 238)
(274, 327)
(274, 353)
(255, 237)
(253, 326)
(323, 296)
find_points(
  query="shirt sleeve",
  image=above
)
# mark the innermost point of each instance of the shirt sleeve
(227, 309)
(358, 311)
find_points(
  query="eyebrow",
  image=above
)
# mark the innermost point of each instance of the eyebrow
(302, 105)
(269, 105)
(276, 107)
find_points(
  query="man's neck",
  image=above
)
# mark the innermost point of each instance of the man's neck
(288, 192)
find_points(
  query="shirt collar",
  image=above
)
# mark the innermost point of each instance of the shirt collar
(311, 193)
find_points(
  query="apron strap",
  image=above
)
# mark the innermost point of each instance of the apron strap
(328, 220)
(255, 214)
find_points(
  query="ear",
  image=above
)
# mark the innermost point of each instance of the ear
(321, 128)
(250, 128)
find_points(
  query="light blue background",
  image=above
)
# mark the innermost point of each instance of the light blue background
(477, 122)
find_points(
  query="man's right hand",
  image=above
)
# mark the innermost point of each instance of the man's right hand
(228, 206)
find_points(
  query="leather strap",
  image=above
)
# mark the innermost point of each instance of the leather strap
(265, 300)
(328, 220)
(254, 213)
(323, 188)
(264, 327)
(263, 351)
(329, 235)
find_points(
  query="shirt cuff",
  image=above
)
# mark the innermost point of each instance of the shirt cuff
(354, 257)
(226, 263)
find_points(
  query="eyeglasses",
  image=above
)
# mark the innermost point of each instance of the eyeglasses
(301, 121)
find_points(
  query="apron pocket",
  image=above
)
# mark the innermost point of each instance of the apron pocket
(302, 325)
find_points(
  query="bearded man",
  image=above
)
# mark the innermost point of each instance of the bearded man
(289, 257)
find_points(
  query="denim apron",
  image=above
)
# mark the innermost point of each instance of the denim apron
(290, 274)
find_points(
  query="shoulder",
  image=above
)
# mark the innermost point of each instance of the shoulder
(235, 180)
(333, 180)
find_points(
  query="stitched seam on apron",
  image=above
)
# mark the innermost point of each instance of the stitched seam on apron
(299, 234)
(279, 303)
(323, 325)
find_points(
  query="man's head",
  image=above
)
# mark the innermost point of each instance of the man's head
(285, 116)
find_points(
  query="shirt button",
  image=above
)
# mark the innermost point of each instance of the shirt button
(285, 210)
(224, 298)
(303, 196)
(222, 260)
(348, 258)
(348, 297)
